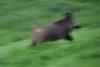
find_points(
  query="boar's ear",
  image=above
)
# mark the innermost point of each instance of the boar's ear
(68, 14)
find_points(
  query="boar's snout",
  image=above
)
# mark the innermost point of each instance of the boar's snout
(77, 26)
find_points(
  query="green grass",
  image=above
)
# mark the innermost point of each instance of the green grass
(19, 17)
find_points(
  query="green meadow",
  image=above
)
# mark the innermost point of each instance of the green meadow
(18, 18)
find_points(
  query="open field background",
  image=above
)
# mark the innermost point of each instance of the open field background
(19, 17)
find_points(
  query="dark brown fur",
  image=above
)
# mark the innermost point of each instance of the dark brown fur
(59, 30)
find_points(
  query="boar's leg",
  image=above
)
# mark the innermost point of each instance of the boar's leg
(37, 41)
(39, 37)
(34, 42)
(68, 37)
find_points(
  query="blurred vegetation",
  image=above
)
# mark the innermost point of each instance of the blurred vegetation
(19, 17)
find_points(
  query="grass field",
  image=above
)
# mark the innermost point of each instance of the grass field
(19, 17)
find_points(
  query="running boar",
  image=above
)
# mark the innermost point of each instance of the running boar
(59, 30)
